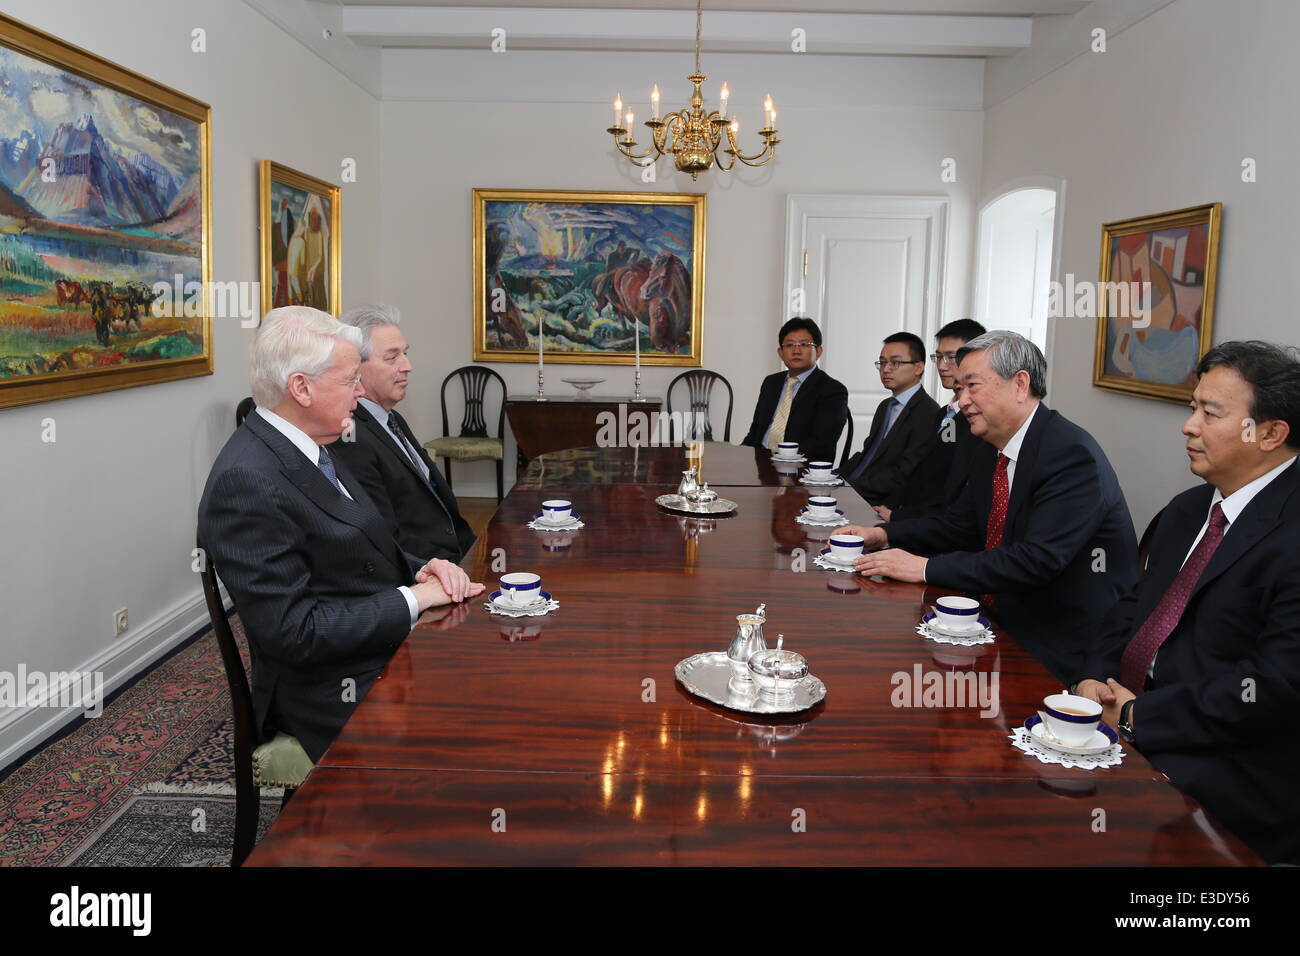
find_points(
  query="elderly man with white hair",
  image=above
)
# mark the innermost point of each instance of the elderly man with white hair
(397, 473)
(325, 593)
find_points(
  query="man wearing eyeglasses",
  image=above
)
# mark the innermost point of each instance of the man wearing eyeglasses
(903, 430)
(940, 478)
(801, 404)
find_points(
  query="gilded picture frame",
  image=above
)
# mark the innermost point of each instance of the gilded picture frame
(588, 268)
(293, 210)
(108, 287)
(1155, 304)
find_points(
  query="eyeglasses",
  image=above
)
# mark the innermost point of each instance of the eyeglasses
(791, 346)
(892, 365)
(941, 357)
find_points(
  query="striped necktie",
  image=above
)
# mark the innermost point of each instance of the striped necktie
(777, 433)
(327, 466)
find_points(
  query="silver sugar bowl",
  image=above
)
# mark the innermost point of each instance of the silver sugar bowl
(703, 495)
(748, 641)
(777, 671)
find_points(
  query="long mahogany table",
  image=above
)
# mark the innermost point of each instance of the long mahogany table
(571, 732)
(724, 465)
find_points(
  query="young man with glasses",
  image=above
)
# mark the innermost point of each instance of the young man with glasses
(802, 403)
(940, 478)
(902, 432)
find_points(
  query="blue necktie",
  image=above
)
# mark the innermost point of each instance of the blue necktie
(327, 466)
(879, 440)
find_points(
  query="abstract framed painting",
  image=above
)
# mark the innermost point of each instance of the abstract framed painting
(595, 274)
(1155, 310)
(299, 221)
(104, 224)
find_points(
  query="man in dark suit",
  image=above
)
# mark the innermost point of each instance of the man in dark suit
(1041, 532)
(940, 478)
(324, 591)
(903, 432)
(802, 404)
(1199, 665)
(417, 503)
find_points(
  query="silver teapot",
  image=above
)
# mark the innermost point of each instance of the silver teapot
(689, 484)
(748, 641)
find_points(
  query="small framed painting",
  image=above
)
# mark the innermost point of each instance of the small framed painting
(588, 277)
(1155, 305)
(301, 241)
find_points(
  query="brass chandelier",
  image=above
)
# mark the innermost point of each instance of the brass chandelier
(696, 135)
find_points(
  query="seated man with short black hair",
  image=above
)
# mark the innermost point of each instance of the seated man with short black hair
(1199, 665)
(802, 404)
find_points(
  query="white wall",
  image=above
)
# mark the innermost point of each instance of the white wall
(104, 517)
(1160, 121)
(435, 152)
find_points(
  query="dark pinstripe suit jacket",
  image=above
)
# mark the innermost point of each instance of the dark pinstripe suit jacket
(314, 578)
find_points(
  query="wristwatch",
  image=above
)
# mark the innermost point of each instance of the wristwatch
(1125, 727)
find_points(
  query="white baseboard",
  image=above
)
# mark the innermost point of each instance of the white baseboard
(25, 728)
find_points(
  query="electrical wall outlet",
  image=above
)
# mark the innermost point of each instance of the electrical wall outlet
(119, 622)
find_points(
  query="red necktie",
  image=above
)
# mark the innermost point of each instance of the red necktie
(1141, 650)
(997, 515)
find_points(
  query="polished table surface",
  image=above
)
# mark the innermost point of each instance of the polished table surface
(724, 465)
(566, 421)
(574, 727)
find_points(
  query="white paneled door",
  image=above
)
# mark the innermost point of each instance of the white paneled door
(865, 267)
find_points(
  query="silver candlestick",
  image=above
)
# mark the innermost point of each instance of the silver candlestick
(636, 389)
(541, 387)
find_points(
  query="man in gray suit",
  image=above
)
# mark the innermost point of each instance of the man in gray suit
(324, 591)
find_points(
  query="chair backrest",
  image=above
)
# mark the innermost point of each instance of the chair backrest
(699, 384)
(241, 703)
(848, 442)
(1144, 546)
(474, 379)
(243, 410)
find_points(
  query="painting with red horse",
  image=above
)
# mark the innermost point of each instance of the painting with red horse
(594, 277)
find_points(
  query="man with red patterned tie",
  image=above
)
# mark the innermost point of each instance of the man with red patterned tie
(1199, 666)
(1041, 530)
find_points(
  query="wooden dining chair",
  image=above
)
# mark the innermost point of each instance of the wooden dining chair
(280, 762)
(473, 443)
(243, 410)
(699, 384)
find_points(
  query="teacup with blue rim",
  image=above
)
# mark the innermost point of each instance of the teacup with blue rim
(822, 507)
(520, 588)
(957, 613)
(846, 548)
(557, 511)
(1071, 718)
(820, 470)
(787, 449)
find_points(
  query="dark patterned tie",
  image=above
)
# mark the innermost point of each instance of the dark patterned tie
(327, 466)
(870, 454)
(997, 514)
(1141, 650)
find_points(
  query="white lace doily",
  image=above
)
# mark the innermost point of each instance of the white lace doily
(1023, 740)
(837, 522)
(966, 640)
(538, 526)
(536, 611)
(823, 563)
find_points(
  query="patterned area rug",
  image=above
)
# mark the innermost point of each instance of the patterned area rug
(93, 797)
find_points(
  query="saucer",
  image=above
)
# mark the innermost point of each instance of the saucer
(829, 558)
(788, 461)
(1102, 739)
(542, 600)
(831, 482)
(804, 517)
(573, 519)
(932, 622)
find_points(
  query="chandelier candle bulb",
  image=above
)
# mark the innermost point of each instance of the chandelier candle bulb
(654, 99)
(618, 110)
(630, 120)
(726, 94)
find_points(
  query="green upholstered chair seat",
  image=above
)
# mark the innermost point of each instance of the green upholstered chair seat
(281, 763)
(465, 449)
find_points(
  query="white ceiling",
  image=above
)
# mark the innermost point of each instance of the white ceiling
(964, 28)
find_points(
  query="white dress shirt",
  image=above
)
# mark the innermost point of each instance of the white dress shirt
(303, 442)
(1012, 449)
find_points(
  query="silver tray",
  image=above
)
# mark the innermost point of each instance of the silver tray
(720, 506)
(709, 676)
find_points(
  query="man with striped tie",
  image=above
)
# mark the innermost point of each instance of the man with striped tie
(325, 593)
(1041, 532)
(406, 486)
(802, 403)
(1199, 665)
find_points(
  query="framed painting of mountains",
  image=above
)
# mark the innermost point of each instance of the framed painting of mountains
(104, 224)
(588, 277)
(301, 240)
